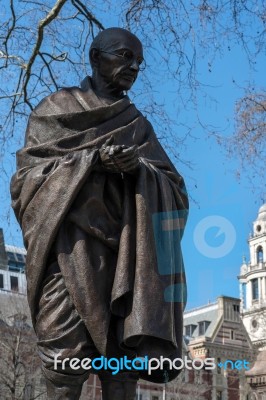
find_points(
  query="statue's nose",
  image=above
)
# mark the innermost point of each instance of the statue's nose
(134, 65)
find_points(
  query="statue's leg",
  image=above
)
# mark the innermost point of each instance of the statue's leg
(62, 392)
(121, 386)
(62, 336)
(63, 387)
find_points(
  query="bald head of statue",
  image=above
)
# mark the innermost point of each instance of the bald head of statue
(116, 56)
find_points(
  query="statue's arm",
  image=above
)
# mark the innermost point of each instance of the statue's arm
(152, 156)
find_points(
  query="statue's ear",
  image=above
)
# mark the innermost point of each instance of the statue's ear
(94, 57)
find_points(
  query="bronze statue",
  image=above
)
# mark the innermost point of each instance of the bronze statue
(102, 210)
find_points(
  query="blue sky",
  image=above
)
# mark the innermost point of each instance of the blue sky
(218, 192)
(219, 199)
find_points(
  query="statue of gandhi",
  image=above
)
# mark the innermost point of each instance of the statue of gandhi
(102, 211)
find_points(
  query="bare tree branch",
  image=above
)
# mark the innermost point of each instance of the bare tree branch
(44, 46)
(89, 16)
(44, 22)
(49, 69)
(20, 365)
(12, 25)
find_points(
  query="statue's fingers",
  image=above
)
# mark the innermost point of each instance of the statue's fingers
(130, 149)
(111, 150)
(127, 154)
(109, 141)
(114, 149)
(118, 148)
(128, 164)
(133, 148)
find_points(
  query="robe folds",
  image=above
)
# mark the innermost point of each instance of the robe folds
(116, 236)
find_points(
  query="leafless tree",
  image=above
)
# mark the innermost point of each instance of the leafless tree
(20, 372)
(249, 140)
(44, 46)
(189, 385)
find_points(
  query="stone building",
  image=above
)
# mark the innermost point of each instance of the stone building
(217, 331)
(20, 370)
(12, 267)
(252, 281)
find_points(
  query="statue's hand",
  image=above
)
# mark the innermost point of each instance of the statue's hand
(119, 158)
(128, 159)
(107, 155)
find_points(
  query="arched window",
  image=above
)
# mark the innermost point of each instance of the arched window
(255, 289)
(259, 254)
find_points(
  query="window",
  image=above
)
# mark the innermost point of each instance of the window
(219, 395)
(259, 254)
(1, 281)
(14, 283)
(13, 266)
(203, 326)
(255, 289)
(154, 398)
(15, 260)
(189, 330)
(232, 334)
(244, 288)
(236, 308)
(20, 257)
(11, 256)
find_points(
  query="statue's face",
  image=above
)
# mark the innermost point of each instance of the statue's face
(120, 69)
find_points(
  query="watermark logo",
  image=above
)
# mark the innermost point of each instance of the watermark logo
(238, 365)
(168, 228)
(137, 364)
(225, 229)
(148, 364)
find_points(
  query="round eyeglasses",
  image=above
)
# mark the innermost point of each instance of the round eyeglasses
(128, 58)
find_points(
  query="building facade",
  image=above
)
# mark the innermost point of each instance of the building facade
(20, 369)
(12, 268)
(252, 282)
(217, 331)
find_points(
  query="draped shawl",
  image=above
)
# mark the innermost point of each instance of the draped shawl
(116, 236)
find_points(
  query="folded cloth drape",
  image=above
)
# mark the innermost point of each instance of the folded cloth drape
(116, 236)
